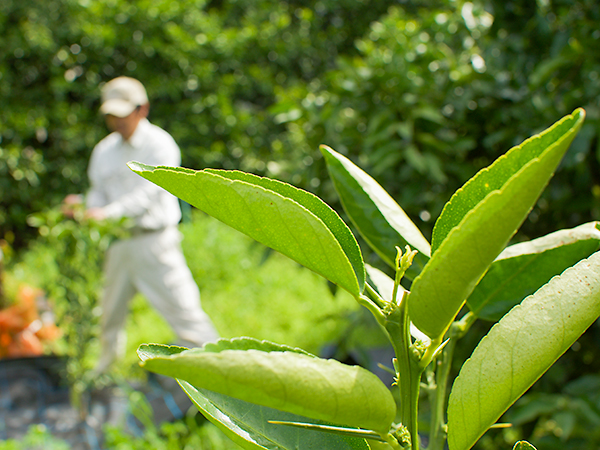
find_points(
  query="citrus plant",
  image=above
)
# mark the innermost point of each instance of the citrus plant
(543, 294)
(72, 280)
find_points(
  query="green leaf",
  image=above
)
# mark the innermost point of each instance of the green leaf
(520, 348)
(379, 219)
(289, 220)
(148, 351)
(286, 380)
(479, 220)
(248, 424)
(548, 146)
(523, 445)
(248, 343)
(522, 269)
(342, 431)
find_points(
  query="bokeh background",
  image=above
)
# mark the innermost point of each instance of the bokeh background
(421, 94)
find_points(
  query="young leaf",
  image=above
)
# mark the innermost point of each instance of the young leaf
(520, 348)
(248, 424)
(479, 220)
(378, 218)
(522, 269)
(286, 380)
(287, 219)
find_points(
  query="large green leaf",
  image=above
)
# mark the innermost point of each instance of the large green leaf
(376, 215)
(282, 379)
(289, 220)
(522, 269)
(520, 348)
(551, 144)
(248, 425)
(479, 220)
(148, 351)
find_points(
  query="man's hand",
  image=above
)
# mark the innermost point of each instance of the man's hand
(70, 203)
(95, 213)
(74, 202)
(73, 199)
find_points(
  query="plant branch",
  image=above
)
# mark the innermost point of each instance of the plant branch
(375, 297)
(437, 436)
(407, 368)
(408, 355)
(439, 396)
(374, 303)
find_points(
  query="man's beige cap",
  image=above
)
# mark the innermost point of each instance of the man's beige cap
(122, 95)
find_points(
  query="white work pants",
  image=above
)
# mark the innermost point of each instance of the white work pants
(152, 264)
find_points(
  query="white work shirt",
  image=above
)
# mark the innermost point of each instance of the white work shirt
(119, 191)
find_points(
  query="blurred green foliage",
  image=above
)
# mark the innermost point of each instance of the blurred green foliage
(189, 433)
(37, 437)
(425, 89)
(211, 69)
(438, 93)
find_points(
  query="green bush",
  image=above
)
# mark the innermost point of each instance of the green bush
(220, 64)
(421, 90)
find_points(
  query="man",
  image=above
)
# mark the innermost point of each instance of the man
(151, 261)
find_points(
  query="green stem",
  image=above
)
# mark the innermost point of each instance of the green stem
(438, 434)
(376, 298)
(408, 358)
(372, 306)
(408, 369)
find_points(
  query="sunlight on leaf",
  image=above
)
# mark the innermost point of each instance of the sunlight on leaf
(291, 221)
(522, 269)
(379, 219)
(248, 424)
(478, 222)
(520, 348)
(286, 380)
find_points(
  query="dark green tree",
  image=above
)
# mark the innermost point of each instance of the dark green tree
(212, 71)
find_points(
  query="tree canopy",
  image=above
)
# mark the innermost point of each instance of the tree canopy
(420, 94)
